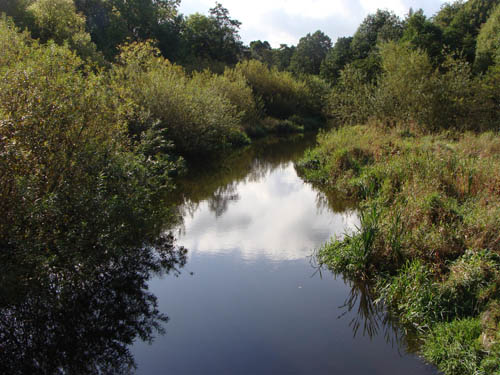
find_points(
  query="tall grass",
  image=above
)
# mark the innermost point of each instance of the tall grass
(433, 244)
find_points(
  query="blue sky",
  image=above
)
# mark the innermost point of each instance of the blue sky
(286, 21)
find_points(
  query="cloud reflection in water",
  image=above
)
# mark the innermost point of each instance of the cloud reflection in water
(276, 216)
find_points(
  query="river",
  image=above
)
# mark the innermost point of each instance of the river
(250, 299)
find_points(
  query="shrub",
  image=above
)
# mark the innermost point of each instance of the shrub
(233, 86)
(72, 189)
(282, 95)
(411, 91)
(198, 119)
(351, 100)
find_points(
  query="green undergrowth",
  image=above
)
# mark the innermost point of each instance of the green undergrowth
(428, 235)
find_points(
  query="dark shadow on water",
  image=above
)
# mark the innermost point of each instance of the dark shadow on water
(81, 319)
(369, 317)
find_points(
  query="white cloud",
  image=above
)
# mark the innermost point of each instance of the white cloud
(285, 21)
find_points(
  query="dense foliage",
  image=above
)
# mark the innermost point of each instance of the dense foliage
(101, 101)
(428, 233)
(425, 171)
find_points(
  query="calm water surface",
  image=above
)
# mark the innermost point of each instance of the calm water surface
(250, 300)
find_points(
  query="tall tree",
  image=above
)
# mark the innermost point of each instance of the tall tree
(227, 34)
(488, 42)
(421, 33)
(461, 23)
(215, 37)
(261, 51)
(282, 56)
(310, 53)
(336, 59)
(16, 9)
(381, 26)
(111, 22)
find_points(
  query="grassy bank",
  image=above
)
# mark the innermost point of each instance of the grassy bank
(430, 214)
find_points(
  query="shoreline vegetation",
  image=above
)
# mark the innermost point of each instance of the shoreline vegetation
(424, 169)
(104, 103)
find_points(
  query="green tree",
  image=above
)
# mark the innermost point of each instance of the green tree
(420, 32)
(447, 13)
(488, 42)
(461, 23)
(111, 22)
(310, 53)
(215, 37)
(282, 56)
(58, 20)
(17, 10)
(261, 51)
(336, 59)
(379, 27)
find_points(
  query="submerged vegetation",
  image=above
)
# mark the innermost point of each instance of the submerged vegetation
(103, 102)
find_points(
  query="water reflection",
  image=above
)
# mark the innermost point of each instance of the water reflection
(370, 318)
(81, 319)
(252, 306)
(273, 212)
(217, 182)
(272, 216)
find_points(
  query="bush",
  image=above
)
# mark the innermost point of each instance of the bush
(351, 100)
(72, 188)
(411, 91)
(197, 118)
(233, 86)
(282, 95)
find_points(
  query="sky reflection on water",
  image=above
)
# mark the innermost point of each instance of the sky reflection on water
(276, 218)
(254, 303)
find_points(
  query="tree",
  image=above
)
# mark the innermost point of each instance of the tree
(421, 33)
(336, 59)
(461, 23)
(111, 22)
(282, 56)
(379, 27)
(310, 53)
(213, 37)
(58, 20)
(16, 9)
(261, 51)
(227, 34)
(488, 42)
(447, 13)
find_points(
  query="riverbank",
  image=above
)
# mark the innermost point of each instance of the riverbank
(428, 236)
